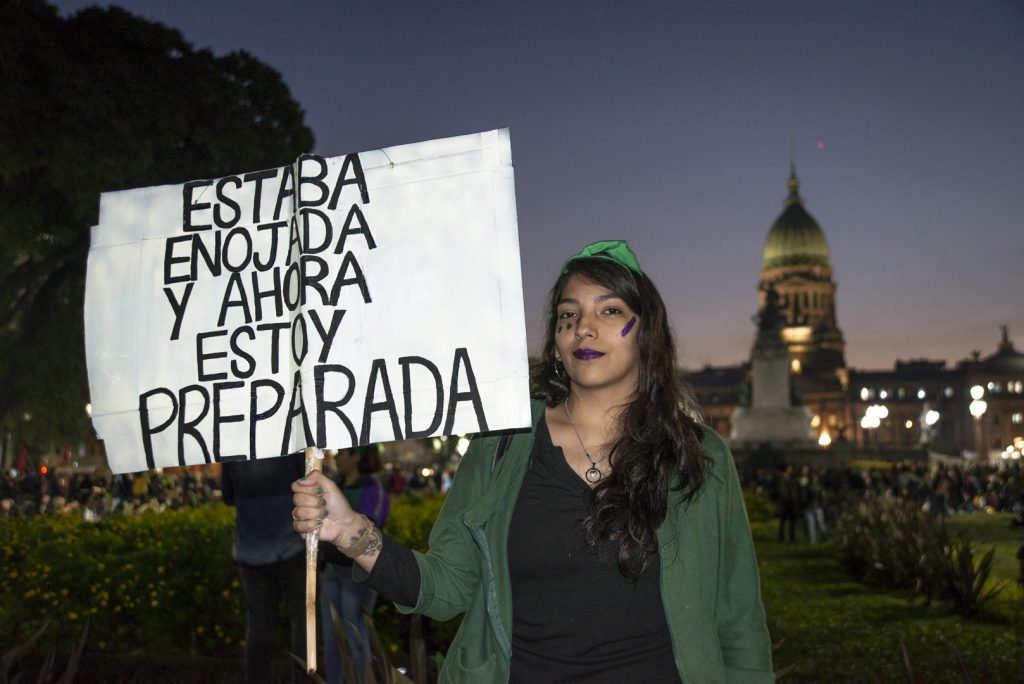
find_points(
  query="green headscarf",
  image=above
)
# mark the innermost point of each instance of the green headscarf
(609, 250)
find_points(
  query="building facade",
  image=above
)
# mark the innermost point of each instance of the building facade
(973, 409)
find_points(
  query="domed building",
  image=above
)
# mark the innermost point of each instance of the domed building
(919, 404)
(796, 265)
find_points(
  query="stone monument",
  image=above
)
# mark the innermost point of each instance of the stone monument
(773, 416)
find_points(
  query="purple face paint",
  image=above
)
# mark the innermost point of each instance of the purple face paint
(629, 326)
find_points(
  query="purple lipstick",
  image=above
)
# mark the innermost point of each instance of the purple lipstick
(587, 354)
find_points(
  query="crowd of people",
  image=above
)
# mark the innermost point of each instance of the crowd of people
(96, 496)
(813, 498)
(806, 497)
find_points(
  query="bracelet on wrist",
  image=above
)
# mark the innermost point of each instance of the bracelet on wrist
(359, 542)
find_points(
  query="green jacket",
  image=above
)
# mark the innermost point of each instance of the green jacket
(709, 577)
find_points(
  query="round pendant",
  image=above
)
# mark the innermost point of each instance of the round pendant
(593, 475)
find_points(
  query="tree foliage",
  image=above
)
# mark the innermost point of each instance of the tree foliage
(99, 101)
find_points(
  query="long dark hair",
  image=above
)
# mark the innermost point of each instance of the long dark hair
(659, 444)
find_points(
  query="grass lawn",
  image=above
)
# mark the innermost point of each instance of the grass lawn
(830, 628)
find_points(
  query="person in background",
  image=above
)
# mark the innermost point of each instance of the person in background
(812, 496)
(355, 476)
(787, 499)
(271, 558)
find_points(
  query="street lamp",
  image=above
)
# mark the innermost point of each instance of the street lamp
(977, 407)
(873, 417)
(927, 420)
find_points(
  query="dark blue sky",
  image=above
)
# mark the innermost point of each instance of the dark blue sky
(669, 124)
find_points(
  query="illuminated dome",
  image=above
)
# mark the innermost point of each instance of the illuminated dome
(795, 239)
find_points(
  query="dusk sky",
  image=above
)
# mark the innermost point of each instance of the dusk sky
(671, 124)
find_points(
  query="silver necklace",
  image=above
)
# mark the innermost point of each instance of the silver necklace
(593, 475)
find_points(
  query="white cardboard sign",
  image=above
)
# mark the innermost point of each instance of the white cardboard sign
(349, 300)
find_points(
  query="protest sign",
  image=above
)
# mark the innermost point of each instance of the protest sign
(334, 302)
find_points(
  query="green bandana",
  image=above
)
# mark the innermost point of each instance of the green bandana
(609, 250)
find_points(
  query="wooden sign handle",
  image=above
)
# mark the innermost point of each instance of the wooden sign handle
(314, 461)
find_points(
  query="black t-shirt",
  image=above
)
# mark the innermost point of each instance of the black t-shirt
(575, 617)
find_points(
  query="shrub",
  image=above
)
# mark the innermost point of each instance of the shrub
(892, 542)
(155, 582)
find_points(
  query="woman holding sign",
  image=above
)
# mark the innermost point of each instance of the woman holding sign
(609, 543)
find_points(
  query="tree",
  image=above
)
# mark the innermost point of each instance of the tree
(103, 100)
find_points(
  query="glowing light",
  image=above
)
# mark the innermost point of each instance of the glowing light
(878, 410)
(794, 366)
(909, 424)
(865, 394)
(816, 421)
(978, 408)
(977, 392)
(462, 446)
(884, 394)
(824, 439)
(426, 472)
(921, 393)
(932, 417)
(799, 333)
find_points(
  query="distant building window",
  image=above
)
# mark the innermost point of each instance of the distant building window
(995, 387)
(901, 392)
(948, 392)
(1018, 418)
(833, 419)
(921, 394)
(883, 394)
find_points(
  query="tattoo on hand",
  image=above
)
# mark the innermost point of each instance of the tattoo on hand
(358, 535)
(376, 541)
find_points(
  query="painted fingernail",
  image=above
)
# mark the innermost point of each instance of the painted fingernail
(319, 491)
(323, 502)
(302, 479)
(319, 522)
